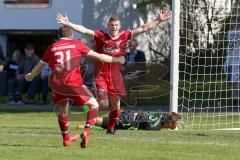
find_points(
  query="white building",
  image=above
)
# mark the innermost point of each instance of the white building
(37, 24)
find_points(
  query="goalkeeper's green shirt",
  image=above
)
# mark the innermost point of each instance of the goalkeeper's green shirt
(143, 120)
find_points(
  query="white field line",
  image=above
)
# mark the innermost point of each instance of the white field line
(228, 129)
(170, 141)
(54, 134)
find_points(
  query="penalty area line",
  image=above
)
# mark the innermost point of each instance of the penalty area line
(228, 129)
(168, 142)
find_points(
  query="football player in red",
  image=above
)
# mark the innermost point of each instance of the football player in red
(109, 80)
(64, 58)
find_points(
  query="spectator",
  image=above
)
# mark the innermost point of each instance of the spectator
(26, 64)
(12, 65)
(136, 61)
(2, 59)
(1, 65)
(232, 63)
(11, 69)
(135, 55)
(46, 71)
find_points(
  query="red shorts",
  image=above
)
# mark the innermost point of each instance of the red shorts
(59, 98)
(110, 84)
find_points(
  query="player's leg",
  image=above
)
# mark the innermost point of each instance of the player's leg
(62, 106)
(102, 122)
(102, 92)
(114, 113)
(103, 103)
(116, 88)
(91, 121)
(87, 98)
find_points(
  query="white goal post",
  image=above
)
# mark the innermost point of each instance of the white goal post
(175, 56)
(205, 63)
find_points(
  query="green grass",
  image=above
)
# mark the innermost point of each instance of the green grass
(203, 93)
(36, 136)
(210, 121)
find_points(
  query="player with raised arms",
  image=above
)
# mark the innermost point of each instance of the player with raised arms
(109, 80)
(64, 57)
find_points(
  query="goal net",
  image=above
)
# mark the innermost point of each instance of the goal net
(209, 64)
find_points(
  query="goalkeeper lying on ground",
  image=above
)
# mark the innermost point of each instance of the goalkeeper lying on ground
(143, 120)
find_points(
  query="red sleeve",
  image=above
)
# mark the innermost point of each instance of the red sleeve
(128, 34)
(46, 55)
(98, 34)
(84, 49)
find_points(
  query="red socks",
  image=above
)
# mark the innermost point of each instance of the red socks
(113, 118)
(63, 124)
(91, 119)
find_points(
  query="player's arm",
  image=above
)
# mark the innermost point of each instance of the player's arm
(78, 28)
(35, 71)
(105, 58)
(163, 16)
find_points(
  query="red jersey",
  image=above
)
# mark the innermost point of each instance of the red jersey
(114, 47)
(64, 57)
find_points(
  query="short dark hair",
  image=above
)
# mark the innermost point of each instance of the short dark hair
(135, 41)
(113, 18)
(171, 117)
(29, 46)
(64, 32)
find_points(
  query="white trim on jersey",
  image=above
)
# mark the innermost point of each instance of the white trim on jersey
(91, 52)
(65, 38)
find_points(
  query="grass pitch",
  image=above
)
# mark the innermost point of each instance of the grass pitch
(36, 136)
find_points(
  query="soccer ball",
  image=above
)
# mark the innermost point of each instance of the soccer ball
(79, 126)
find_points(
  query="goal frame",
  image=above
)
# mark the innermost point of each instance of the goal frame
(174, 74)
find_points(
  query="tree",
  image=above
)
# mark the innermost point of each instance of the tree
(158, 46)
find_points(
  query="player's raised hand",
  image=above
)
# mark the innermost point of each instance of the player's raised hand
(28, 77)
(62, 19)
(164, 15)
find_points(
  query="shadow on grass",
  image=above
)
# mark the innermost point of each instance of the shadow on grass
(23, 111)
(29, 145)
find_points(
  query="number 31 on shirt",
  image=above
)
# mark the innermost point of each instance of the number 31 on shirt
(63, 60)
